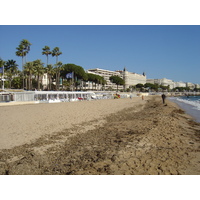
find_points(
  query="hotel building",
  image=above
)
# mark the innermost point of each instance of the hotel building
(130, 78)
(163, 82)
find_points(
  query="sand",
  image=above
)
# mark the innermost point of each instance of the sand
(21, 124)
(120, 136)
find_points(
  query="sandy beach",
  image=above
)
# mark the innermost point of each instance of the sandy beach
(118, 136)
(21, 124)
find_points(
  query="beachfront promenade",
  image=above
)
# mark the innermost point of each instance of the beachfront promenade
(59, 96)
(12, 98)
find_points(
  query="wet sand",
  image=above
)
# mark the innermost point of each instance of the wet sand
(129, 137)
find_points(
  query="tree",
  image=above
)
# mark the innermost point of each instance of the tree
(57, 71)
(11, 65)
(117, 80)
(38, 71)
(95, 79)
(17, 82)
(27, 46)
(79, 72)
(50, 72)
(164, 87)
(22, 50)
(91, 78)
(181, 89)
(56, 52)
(21, 53)
(29, 70)
(66, 85)
(47, 52)
(151, 86)
(100, 80)
(10, 68)
(139, 85)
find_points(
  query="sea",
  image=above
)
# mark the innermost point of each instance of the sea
(190, 104)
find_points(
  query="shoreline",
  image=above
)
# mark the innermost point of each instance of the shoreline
(142, 138)
(194, 113)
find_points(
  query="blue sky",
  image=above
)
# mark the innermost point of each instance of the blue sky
(171, 52)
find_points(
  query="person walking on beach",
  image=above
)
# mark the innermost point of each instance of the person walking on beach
(163, 98)
(142, 97)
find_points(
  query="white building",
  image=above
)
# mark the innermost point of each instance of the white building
(163, 82)
(172, 84)
(152, 81)
(167, 82)
(130, 78)
(197, 86)
(190, 85)
(106, 74)
(179, 84)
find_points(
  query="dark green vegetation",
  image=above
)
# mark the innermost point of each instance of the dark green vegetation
(117, 80)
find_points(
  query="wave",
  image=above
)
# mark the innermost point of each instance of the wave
(196, 103)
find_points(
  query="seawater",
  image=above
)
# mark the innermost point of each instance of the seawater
(191, 105)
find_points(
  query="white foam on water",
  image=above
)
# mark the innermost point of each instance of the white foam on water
(196, 104)
(191, 107)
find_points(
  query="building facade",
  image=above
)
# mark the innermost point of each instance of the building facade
(163, 82)
(106, 74)
(197, 86)
(190, 85)
(179, 84)
(130, 78)
(172, 84)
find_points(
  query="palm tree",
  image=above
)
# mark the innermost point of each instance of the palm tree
(22, 50)
(58, 69)
(11, 65)
(56, 52)
(50, 72)
(27, 46)
(38, 70)
(47, 52)
(17, 82)
(11, 70)
(29, 70)
(21, 53)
